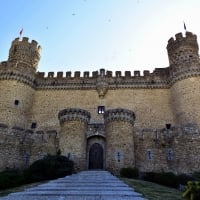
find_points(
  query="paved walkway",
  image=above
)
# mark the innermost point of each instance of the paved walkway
(86, 185)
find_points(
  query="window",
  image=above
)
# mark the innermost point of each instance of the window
(34, 125)
(149, 155)
(169, 154)
(101, 109)
(118, 156)
(16, 102)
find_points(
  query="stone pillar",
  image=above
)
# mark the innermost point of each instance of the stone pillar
(73, 124)
(119, 139)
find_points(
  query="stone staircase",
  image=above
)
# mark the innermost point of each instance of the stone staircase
(85, 185)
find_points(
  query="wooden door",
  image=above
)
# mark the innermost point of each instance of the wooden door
(96, 156)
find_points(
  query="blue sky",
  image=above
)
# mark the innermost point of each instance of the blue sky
(86, 35)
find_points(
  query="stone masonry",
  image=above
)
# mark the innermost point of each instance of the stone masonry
(102, 120)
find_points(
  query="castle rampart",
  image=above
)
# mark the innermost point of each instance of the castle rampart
(20, 147)
(171, 149)
(103, 119)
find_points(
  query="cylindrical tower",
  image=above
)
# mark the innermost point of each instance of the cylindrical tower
(184, 78)
(17, 77)
(24, 54)
(73, 124)
(119, 139)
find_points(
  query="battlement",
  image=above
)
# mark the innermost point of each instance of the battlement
(25, 52)
(119, 115)
(25, 41)
(108, 74)
(102, 80)
(180, 38)
(73, 114)
(183, 49)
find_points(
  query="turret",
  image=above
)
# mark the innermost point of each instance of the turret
(73, 123)
(17, 79)
(183, 50)
(119, 139)
(25, 53)
(184, 78)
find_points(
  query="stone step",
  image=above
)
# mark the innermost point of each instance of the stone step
(83, 188)
(86, 185)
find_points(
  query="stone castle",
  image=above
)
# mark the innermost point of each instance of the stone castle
(102, 120)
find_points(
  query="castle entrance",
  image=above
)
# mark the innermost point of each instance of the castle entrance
(96, 156)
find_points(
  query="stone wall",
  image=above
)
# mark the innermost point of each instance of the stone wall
(19, 147)
(152, 107)
(169, 150)
(15, 103)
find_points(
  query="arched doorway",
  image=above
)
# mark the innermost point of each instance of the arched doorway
(96, 156)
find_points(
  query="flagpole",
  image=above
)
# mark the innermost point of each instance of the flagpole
(20, 33)
(185, 28)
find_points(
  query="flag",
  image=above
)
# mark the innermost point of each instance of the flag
(184, 26)
(20, 33)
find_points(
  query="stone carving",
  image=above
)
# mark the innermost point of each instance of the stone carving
(101, 85)
(95, 129)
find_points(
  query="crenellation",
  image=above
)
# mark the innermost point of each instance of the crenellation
(161, 72)
(68, 74)
(179, 36)
(41, 74)
(34, 43)
(50, 74)
(127, 74)
(86, 74)
(118, 74)
(146, 73)
(59, 74)
(25, 39)
(102, 72)
(77, 74)
(95, 74)
(137, 73)
(109, 74)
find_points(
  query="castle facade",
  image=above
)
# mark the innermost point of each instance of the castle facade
(102, 120)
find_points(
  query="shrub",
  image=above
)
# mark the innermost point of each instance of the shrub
(196, 176)
(9, 179)
(184, 178)
(129, 172)
(167, 179)
(50, 167)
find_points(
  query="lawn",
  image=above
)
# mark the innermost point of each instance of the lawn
(153, 191)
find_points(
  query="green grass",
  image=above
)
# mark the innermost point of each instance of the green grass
(153, 191)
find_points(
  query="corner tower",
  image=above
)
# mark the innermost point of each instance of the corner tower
(24, 54)
(184, 78)
(17, 77)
